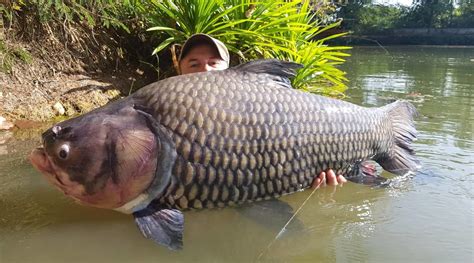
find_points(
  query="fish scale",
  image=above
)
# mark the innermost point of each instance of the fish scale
(215, 139)
(246, 141)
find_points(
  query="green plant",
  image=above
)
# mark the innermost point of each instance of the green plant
(367, 17)
(106, 13)
(179, 19)
(9, 55)
(306, 46)
(258, 29)
(285, 29)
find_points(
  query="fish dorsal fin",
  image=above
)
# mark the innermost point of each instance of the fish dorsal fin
(282, 70)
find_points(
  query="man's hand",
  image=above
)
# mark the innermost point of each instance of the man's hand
(328, 178)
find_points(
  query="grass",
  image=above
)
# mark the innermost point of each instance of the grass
(9, 55)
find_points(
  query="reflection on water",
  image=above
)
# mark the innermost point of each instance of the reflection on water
(427, 217)
(434, 215)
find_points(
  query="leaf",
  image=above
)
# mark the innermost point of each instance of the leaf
(279, 29)
(160, 28)
(163, 45)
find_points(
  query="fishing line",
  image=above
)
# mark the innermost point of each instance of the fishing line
(289, 220)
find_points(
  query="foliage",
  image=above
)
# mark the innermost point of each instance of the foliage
(10, 54)
(258, 29)
(463, 15)
(364, 17)
(375, 18)
(428, 14)
(106, 13)
(286, 29)
(79, 34)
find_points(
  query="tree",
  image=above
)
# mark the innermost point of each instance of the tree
(430, 13)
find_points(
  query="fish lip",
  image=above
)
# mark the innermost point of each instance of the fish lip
(39, 159)
(59, 180)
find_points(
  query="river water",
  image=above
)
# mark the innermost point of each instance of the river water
(423, 218)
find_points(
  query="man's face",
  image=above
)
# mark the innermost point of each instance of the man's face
(202, 58)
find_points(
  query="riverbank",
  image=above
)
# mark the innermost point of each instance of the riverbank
(36, 93)
(48, 76)
(59, 78)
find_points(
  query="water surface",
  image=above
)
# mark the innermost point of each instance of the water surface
(424, 218)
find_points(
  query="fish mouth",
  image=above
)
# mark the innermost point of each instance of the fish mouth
(40, 160)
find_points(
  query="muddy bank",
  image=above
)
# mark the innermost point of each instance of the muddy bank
(28, 95)
(46, 76)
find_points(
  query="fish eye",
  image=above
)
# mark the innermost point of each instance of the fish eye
(63, 152)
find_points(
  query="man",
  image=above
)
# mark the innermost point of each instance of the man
(202, 53)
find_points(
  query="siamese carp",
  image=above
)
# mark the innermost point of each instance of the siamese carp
(215, 139)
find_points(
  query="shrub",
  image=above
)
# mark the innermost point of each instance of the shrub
(280, 29)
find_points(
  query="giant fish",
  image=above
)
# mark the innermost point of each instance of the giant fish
(215, 139)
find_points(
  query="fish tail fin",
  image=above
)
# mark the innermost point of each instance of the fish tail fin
(400, 158)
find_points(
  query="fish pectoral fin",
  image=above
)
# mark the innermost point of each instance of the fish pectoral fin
(166, 153)
(365, 172)
(164, 226)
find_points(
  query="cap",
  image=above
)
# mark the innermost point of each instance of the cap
(203, 38)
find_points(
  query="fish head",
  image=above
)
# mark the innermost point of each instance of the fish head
(102, 159)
